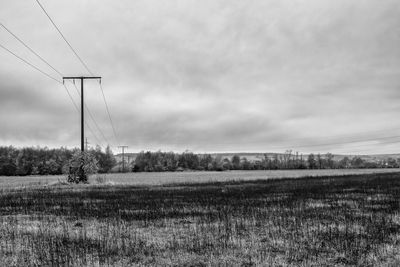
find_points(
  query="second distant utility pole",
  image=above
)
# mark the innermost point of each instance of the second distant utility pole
(87, 143)
(123, 157)
(82, 106)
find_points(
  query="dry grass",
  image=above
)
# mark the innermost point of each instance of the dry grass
(344, 220)
(159, 178)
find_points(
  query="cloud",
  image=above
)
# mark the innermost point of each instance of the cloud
(208, 76)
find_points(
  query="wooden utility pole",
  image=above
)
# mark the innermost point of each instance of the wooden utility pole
(129, 160)
(82, 78)
(87, 143)
(123, 157)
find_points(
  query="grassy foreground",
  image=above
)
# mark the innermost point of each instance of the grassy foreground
(324, 221)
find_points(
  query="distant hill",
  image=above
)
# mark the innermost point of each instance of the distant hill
(369, 158)
(259, 156)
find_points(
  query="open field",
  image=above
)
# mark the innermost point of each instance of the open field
(159, 178)
(343, 221)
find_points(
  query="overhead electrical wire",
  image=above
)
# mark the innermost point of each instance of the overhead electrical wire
(65, 39)
(36, 68)
(359, 148)
(30, 64)
(346, 142)
(93, 119)
(83, 63)
(51, 77)
(30, 49)
(106, 105)
(312, 145)
(282, 147)
(346, 136)
(91, 116)
(353, 144)
(52, 67)
(109, 116)
(86, 124)
(337, 137)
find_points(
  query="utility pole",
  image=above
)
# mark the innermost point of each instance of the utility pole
(82, 78)
(86, 142)
(123, 157)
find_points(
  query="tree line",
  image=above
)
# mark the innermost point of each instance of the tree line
(45, 161)
(170, 161)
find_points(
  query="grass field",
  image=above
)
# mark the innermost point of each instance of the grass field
(159, 178)
(343, 221)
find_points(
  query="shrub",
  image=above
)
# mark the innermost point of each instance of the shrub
(81, 165)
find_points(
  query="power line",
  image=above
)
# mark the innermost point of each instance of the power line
(107, 109)
(346, 142)
(339, 137)
(82, 79)
(30, 64)
(48, 64)
(371, 149)
(70, 97)
(361, 147)
(36, 68)
(108, 112)
(91, 116)
(86, 124)
(49, 76)
(379, 142)
(77, 109)
(327, 144)
(62, 35)
(357, 135)
(83, 63)
(30, 49)
(307, 145)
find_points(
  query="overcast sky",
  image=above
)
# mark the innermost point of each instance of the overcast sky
(207, 76)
